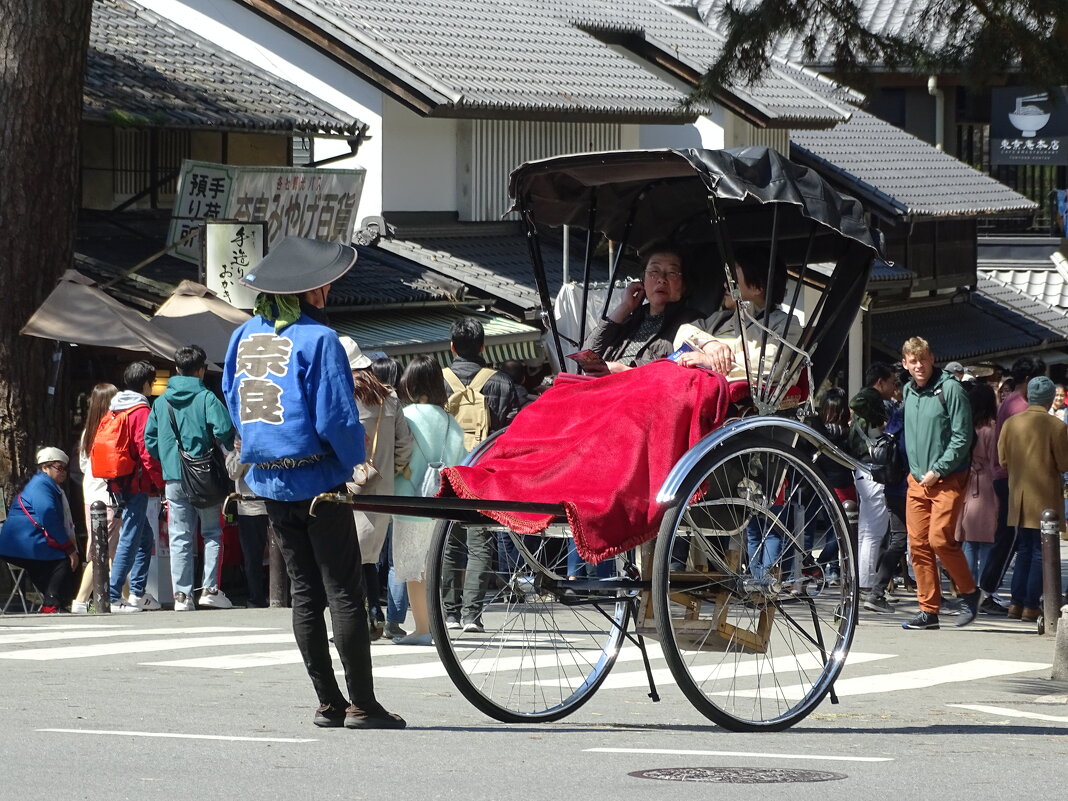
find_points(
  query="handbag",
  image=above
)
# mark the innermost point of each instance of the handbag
(366, 473)
(204, 478)
(884, 461)
(431, 484)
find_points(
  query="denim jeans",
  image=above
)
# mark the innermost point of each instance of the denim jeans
(765, 547)
(1027, 572)
(396, 591)
(976, 554)
(134, 551)
(322, 556)
(182, 526)
(997, 561)
(580, 568)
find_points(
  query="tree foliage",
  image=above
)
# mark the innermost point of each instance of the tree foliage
(982, 40)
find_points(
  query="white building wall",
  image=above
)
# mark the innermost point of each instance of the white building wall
(418, 160)
(251, 37)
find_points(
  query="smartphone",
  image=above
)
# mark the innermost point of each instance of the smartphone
(589, 360)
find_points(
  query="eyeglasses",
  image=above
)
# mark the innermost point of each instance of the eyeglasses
(657, 275)
(59, 466)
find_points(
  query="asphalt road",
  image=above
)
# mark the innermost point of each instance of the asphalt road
(215, 705)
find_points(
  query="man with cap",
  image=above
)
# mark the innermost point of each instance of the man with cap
(38, 534)
(1033, 448)
(289, 390)
(956, 369)
(938, 437)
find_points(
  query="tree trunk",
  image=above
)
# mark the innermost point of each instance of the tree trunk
(43, 47)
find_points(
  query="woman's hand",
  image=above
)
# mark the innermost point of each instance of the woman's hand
(715, 355)
(633, 296)
(75, 560)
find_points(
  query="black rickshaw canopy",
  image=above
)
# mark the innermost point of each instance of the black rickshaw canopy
(720, 198)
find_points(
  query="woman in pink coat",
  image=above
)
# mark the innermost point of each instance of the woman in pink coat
(979, 515)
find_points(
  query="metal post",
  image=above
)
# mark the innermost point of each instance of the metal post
(278, 589)
(98, 519)
(1049, 530)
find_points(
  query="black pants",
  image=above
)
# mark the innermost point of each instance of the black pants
(1000, 556)
(53, 578)
(252, 532)
(322, 556)
(895, 549)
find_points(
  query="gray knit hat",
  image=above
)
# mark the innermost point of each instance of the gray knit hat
(1040, 392)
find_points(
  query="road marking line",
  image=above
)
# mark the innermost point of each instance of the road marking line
(53, 635)
(721, 672)
(1011, 713)
(168, 735)
(755, 754)
(905, 680)
(144, 646)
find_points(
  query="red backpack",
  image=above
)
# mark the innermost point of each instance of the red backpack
(114, 454)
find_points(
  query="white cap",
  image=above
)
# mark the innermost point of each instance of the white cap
(46, 455)
(357, 361)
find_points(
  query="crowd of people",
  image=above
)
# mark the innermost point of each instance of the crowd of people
(303, 412)
(983, 461)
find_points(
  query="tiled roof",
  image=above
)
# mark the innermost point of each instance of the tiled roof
(884, 17)
(988, 323)
(492, 258)
(471, 57)
(899, 174)
(382, 279)
(145, 70)
(1045, 285)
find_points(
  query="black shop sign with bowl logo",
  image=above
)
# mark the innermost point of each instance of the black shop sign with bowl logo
(1028, 125)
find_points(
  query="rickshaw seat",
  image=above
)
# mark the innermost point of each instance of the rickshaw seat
(798, 393)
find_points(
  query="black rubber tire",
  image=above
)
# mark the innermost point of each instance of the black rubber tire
(805, 633)
(539, 658)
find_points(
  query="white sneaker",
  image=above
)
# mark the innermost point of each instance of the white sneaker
(146, 602)
(79, 607)
(124, 607)
(216, 599)
(183, 603)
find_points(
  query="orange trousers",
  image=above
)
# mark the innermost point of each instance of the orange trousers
(931, 518)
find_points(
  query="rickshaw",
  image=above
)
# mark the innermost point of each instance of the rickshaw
(748, 591)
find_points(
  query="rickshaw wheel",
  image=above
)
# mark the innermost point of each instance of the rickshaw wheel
(754, 634)
(546, 646)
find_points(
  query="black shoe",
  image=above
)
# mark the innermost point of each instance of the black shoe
(991, 607)
(877, 603)
(924, 620)
(969, 607)
(328, 716)
(375, 718)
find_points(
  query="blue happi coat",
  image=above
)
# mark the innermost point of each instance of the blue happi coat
(290, 396)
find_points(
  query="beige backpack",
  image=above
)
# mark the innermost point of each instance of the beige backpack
(469, 406)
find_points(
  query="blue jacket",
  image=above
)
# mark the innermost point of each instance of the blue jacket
(199, 415)
(436, 436)
(19, 537)
(291, 396)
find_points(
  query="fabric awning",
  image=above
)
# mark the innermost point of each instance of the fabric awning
(195, 315)
(77, 311)
(410, 333)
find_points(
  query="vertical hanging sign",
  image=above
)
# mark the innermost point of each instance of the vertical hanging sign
(230, 250)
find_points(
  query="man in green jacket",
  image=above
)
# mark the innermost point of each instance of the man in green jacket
(938, 437)
(202, 419)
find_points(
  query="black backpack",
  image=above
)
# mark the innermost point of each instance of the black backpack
(885, 462)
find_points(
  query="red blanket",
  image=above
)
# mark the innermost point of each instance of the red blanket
(600, 447)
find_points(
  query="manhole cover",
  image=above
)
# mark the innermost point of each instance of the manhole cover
(737, 775)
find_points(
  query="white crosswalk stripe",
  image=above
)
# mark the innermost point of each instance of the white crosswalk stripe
(227, 650)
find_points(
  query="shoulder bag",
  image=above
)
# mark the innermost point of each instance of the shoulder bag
(431, 484)
(366, 472)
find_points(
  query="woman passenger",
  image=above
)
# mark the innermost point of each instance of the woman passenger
(637, 332)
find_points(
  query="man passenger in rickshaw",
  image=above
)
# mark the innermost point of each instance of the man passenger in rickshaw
(636, 332)
(712, 337)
